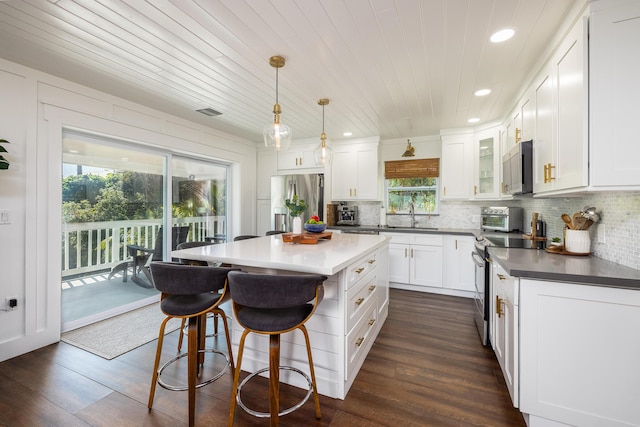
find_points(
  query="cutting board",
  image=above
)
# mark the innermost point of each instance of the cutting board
(306, 237)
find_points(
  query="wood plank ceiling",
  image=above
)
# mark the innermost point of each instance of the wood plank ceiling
(397, 69)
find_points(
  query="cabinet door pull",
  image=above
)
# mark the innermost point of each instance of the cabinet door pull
(501, 277)
(499, 306)
(355, 192)
(551, 178)
(411, 252)
(475, 190)
(359, 341)
(456, 244)
(359, 301)
(518, 137)
(405, 252)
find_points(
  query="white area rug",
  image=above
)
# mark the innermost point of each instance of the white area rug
(112, 337)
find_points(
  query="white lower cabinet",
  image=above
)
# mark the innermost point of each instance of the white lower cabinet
(579, 354)
(458, 268)
(505, 328)
(415, 261)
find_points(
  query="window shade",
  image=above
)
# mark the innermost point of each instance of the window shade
(415, 168)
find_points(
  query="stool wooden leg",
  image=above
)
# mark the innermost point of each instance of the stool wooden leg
(218, 312)
(316, 399)
(236, 378)
(274, 378)
(154, 377)
(181, 337)
(192, 368)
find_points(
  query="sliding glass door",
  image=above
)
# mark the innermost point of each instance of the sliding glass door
(124, 206)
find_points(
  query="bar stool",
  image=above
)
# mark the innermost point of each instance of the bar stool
(272, 305)
(189, 292)
(183, 325)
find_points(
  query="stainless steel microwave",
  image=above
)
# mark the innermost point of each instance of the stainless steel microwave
(517, 169)
(505, 219)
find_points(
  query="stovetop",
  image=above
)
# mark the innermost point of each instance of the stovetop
(508, 241)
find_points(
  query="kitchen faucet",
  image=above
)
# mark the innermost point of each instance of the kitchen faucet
(412, 212)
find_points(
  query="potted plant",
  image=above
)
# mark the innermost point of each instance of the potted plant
(4, 163)
(296, 207)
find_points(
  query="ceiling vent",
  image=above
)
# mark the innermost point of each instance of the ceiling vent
(209, 112)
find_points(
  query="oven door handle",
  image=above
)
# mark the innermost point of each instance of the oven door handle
(477, 260)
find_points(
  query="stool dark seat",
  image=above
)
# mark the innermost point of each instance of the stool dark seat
(272, 232)
(189, 292)
(272, 305)
(244, 237)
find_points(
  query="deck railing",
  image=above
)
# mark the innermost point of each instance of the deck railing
(93, 246)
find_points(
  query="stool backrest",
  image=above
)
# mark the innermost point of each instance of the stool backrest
(187, 245)
(180, 279)
(274, 291)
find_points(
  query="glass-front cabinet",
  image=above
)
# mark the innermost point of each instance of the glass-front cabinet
(486, 165)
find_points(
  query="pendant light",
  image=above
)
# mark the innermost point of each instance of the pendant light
(409, 150)
(277, 134)
(323, 151)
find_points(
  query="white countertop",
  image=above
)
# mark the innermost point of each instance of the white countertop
(326, 257)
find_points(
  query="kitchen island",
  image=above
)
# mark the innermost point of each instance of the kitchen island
(347, 321)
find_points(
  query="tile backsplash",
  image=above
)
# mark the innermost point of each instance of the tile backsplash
(619, 223)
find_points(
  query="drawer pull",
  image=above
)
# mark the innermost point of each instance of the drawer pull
(501, 277)
(371, 322)
(359, 301)
(372, 288)
(360, 270)
(359, 341)
(372, 261)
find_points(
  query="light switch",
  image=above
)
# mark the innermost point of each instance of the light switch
(4, 216)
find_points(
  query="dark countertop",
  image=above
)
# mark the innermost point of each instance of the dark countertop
(539, 264)
(420, 230)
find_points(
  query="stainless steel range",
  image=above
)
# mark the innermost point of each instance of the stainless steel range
(482, 264)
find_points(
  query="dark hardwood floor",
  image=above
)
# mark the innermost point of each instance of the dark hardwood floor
(427, 368)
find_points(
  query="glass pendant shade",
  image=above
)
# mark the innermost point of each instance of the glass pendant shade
(323, 153)
(277, 134)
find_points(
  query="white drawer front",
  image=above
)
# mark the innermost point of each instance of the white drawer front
(427, 239)
(358, 339)
(358, 299)
(360, 269)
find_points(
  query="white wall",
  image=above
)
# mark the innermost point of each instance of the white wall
(34, 110)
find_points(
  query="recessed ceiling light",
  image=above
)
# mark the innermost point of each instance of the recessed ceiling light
(473, 120)
(482, 92)
(347, 134)
(502, 35)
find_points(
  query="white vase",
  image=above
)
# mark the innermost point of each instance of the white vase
(297, 225)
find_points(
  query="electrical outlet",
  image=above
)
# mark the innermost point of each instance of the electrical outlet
(4, 216)
(600, 233)
(10, 303)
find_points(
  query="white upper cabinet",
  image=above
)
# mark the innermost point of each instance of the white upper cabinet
(456, 166)
(614, 92)
(560, 117)
(299, 157)
(354, 172)
(486, 167)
